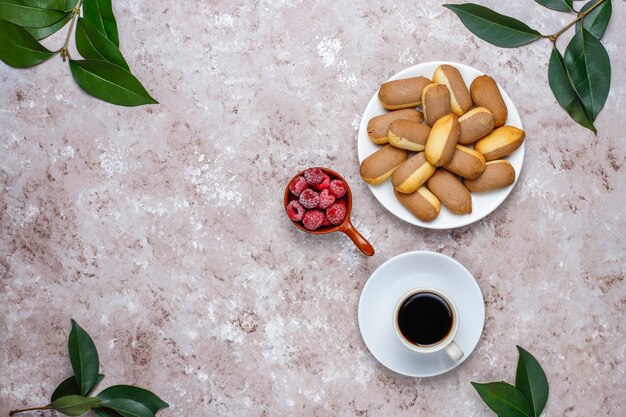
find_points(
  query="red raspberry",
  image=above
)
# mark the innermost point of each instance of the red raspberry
(326, 200)
(314, 176)
(309, 198)
(313, 219)
(295, 211)
(335, 213)
(324, 184)
(297, 186)
(337, 188)
(325, 222)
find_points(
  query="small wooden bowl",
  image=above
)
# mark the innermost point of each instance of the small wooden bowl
(345, 226)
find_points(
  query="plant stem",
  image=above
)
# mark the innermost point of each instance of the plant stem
(65, 53)
(580, 16)
(45, 407)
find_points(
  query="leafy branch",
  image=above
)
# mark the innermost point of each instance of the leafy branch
(71, 397)
(581, 15)
(527, 398)
(64, 49)
(580, 78)
(103, 72)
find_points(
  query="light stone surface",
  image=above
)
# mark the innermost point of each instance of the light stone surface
(160, 229)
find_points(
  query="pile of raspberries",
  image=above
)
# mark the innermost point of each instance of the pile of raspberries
(317, 200)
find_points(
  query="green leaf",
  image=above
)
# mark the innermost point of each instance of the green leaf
(69, 386)
(504, 399)
(106, 412)
(110, 83)
(598, 19)
(84, 358)
(559, 5)
(19, 49)
(74, 405)
(127, 408)
(143, 396)
(61, 5)
(44, 32)
(565, 93)
(589, 68)
(100, 13)
(23, 15)
(495, 28)
(532, 381)
(93, 45)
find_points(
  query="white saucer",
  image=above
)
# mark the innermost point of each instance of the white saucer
(397, 276)
(482, 203)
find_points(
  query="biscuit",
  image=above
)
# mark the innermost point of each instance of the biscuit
(412, 174)
(378, 126)
(422, 204)
(498, 174)
(380, 165)
(466, 162)
(475, 124)
(501, 142)
(460, 98)
(435, 102)
(404, 93)
(409, 135)
(442, 140)
(450, 191)
(485, 93)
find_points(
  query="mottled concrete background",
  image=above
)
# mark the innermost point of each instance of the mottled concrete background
(160, 229)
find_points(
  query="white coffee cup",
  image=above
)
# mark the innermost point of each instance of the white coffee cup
(447, 343)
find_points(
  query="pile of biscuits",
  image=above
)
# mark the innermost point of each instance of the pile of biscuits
(459, 135)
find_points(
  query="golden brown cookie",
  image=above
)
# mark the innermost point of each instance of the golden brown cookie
(475, 124)
(466, 162)
(404, 93)
(501, 142)
(378, 126)
(409, 135)
(435, 102)
(442, 140)
(380, 165)
(498, 174)
(460, 98)
(422, 204)
(412, 174)
(450, 191)
(485, 93)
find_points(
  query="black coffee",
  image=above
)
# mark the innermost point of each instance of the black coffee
(425, 319)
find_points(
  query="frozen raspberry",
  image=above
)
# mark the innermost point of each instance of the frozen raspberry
(326, 200)
(313, 219)
(297, 186)
(325, 222)
(337, 188)
(309, 198)
(335, 213)
(295, 211)
(314, 176)
(324, 184)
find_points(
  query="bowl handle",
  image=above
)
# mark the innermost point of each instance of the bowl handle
(357, 238)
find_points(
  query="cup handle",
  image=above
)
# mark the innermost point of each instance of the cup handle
(454, 351)
(357, 238)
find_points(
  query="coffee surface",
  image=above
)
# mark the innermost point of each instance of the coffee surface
(425, 319)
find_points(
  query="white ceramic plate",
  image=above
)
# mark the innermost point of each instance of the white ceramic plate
(482, 203)
(390, 282)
